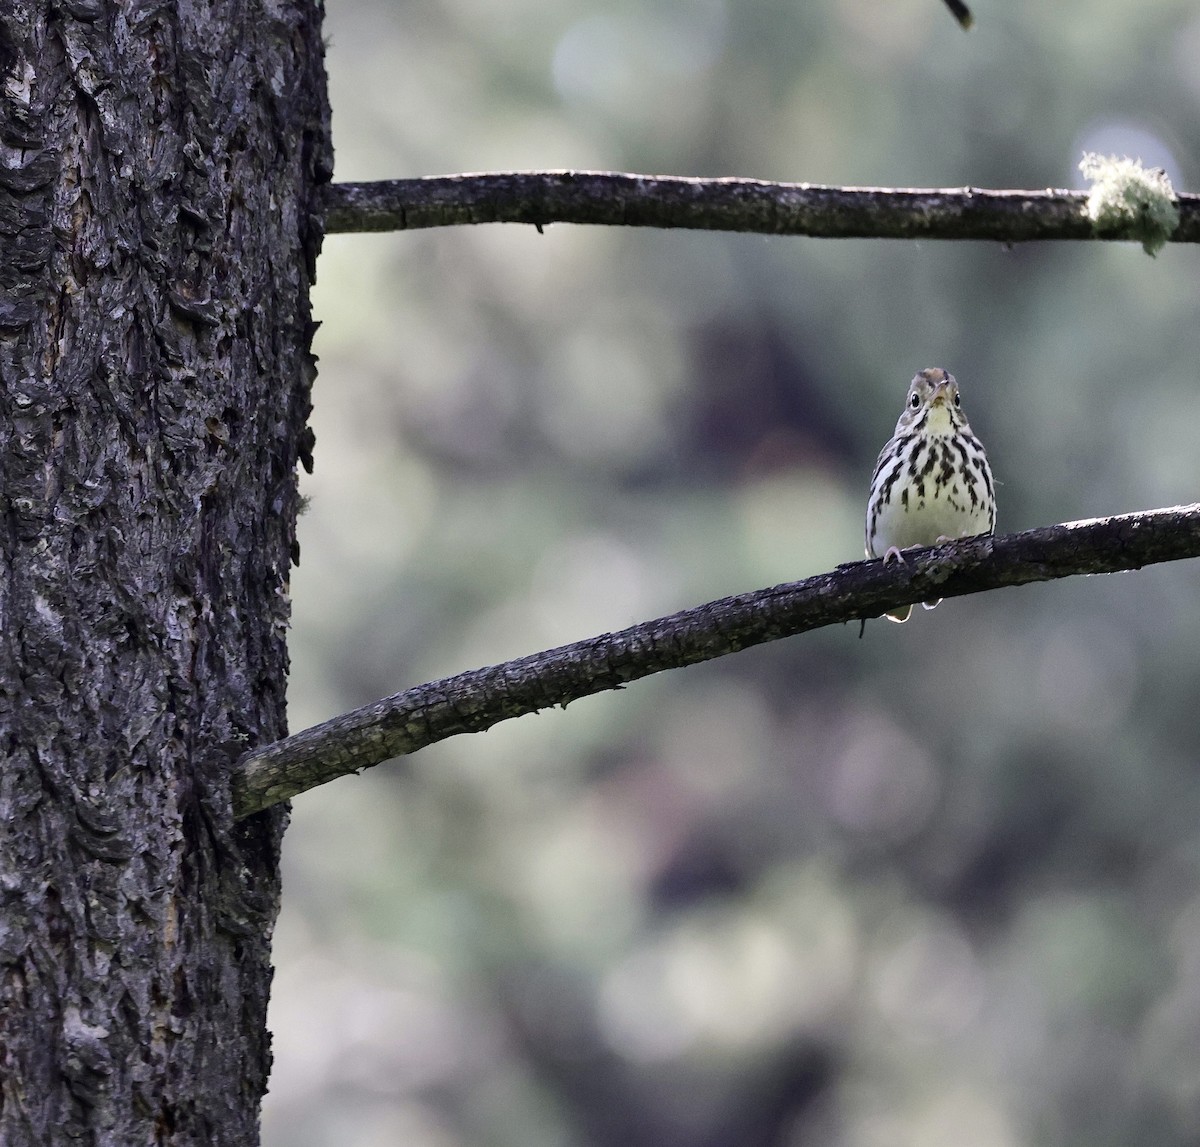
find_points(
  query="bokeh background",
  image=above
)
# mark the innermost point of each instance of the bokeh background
(939, 885)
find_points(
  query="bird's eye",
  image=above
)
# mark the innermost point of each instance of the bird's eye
(914, 400)
(957, 399)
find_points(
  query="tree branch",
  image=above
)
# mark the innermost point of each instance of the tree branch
(961, 13)
(543, 197)
(474, 701)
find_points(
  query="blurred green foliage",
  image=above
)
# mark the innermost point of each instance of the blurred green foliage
(940, 885)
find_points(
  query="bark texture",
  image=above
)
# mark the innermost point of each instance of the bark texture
(158, 173)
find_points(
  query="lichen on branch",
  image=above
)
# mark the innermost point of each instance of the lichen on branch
(1130, 201)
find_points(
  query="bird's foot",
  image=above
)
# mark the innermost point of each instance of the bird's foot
(900, 615)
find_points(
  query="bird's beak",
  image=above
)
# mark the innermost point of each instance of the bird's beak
(941, 394)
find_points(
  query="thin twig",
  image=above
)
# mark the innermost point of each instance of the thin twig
(961, 13)
(540, 198)
(474, 701)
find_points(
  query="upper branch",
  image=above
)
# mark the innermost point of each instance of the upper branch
(543, 197)
(474, 701)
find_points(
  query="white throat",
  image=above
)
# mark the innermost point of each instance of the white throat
(938, 422)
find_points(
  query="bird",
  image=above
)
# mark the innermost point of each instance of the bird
(932, 482)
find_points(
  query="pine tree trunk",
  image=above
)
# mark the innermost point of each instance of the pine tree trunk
(159, 166)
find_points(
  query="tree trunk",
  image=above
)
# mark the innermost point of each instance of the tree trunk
(159, 166)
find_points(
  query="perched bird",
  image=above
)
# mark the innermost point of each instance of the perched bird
(932, 482)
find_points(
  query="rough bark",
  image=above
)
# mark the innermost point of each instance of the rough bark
(474, 701)
(158, 172)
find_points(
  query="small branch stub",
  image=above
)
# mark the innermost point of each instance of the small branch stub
(961, 13)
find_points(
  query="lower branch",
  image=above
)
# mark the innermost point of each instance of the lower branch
(544, 197)
(474, 701)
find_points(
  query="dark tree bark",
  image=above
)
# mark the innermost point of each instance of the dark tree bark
(159, 165)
